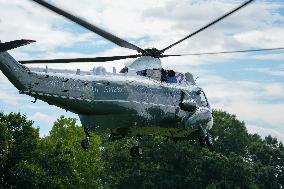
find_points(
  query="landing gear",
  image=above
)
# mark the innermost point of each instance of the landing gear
(136, 151)
(206, 141)
(86, 142)
(209, 140)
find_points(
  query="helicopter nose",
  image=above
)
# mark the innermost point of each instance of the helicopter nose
(202, 118)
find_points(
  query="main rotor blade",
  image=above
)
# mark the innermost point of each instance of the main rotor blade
(224, 52)
(72, 60)
(208, 25)
(93, 28)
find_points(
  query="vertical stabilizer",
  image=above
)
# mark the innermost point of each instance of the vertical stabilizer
(12, 69)
(14, 44)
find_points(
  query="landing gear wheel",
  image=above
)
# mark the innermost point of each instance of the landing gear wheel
(136, 151)
(85, 143)
(209, 140)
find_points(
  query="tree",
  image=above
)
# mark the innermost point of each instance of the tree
(65, 163)
(230, 134)
(55, 161)
(237, 160)
(18, 144)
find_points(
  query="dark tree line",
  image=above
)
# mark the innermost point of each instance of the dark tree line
(238, 159)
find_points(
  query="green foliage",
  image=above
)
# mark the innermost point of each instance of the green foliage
(18, 144)
(64, 163)
(231, 135)
(55, 161)
(238, 159)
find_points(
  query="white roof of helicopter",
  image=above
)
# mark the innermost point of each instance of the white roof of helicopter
(142, 63)
(91, 76)
(145, 62)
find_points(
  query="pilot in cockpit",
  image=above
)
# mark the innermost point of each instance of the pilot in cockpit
(151, 73)
(171, 76)
(168, 76)
(154, 74)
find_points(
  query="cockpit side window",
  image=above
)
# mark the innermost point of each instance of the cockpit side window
(151, 73)
(203, 99)
(154, 74)
(168, 76)
(141, 73)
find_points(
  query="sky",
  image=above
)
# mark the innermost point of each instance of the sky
(249, 85)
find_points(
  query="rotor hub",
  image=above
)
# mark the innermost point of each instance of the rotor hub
(153, 52)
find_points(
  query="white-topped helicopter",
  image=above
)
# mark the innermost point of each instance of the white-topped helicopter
(142, 99)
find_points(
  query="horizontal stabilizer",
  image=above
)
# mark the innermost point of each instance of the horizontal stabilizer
(14, 44)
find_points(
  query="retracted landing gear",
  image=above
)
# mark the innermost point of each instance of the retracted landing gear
(86, 142)
(136, 151)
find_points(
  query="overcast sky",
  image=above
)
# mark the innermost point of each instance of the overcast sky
(250, 86)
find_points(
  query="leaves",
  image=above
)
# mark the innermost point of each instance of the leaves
(237, 160)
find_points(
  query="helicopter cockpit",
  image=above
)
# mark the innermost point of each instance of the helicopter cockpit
(151, 73)
(167, 76)
(202, 98)
(152, 68)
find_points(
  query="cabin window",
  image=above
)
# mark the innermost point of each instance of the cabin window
(141, 73)
(170, 76)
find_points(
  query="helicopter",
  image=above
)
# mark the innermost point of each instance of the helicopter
(142, 99)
